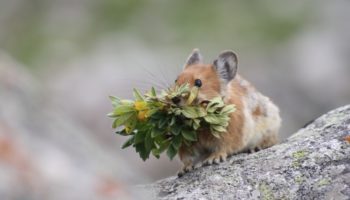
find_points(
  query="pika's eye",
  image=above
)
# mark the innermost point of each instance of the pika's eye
(198, 82)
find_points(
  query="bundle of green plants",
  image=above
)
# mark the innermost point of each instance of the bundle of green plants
(155, 124)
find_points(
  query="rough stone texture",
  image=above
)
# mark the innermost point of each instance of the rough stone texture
(314, 163)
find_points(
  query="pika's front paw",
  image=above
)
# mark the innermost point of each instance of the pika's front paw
(184, 170)
(180, 173)
(254, 149)
(215, 158)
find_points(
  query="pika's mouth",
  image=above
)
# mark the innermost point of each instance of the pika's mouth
(176, 100)
(184, 95)
(182, 101)
(204, 102)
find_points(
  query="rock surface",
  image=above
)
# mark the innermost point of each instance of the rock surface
(314, 163)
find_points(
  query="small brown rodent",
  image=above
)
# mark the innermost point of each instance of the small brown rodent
(254, 125)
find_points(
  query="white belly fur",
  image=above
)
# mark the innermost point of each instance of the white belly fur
(257, 128)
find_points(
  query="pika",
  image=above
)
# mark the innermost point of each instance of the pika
(253, 126)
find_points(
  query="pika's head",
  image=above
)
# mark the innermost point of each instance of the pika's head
(211, 79)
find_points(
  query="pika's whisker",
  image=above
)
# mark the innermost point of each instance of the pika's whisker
(165, 76)
(154, 76)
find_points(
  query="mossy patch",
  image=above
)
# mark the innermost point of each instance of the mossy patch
(299, 179)
(296, 164)
(323, 182)
(266, 192)
(299, 154)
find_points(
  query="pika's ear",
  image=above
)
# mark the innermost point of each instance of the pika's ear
(226, 65)
(194, 58)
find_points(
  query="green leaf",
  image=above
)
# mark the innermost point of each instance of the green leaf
(155, 153)
(215, 104)
(196, 124)
(152, 111)
(129, 142)
(187, 143)
(190, 112)
(224, 124)
(212, 119)
(177, 111)
(193, 112)
(189, 135)
(123, 109)
(161, 148)
(113, 98)
(176, 142)
(144, 154)
(125, 101)
(215, 134)
(139, 137)
(157, 116)
(228, 109)
(122, 132)
(164, 145)
(156, 132)
(212, 109)
(151, 95)
(138, 96)
(115, 101)
(112, 115)
(171, 152)
(122, 120)
(159, 140)
(214, 100)
(162, 122)
(131, 123)
(188, 122)
(175, 130)
(172, 121)
(201, 112)
(148, 142)
(153, 92)
(218, 128)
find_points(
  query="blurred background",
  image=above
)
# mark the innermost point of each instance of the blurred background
(61, 59)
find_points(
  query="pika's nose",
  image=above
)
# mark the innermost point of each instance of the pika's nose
(176, 100)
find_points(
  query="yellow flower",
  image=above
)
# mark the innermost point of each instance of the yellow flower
(143, 110)
(143, 115)
(140, 105)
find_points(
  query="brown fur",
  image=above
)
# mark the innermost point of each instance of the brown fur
(211, 86)
(234, 133)
(249, 127)
(268, 141)
(231, 141)
(257, 112)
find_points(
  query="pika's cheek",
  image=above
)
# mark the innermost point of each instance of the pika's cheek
(204, 97)
(201, 97)
(207, 95)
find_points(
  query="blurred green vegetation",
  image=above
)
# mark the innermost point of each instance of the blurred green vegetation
(240, 24)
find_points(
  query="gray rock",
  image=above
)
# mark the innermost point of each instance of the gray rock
(314, 163)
